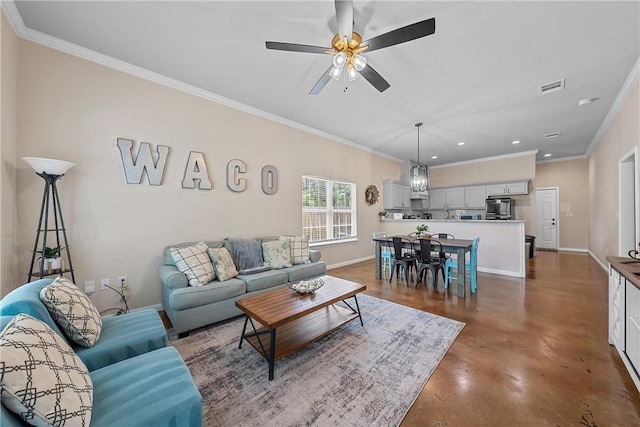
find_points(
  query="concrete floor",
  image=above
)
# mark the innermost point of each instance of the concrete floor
(534, 351)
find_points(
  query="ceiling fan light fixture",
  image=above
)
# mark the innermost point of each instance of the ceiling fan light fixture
(359, 62)
(352, 74)
(339, 59)
(335, 73)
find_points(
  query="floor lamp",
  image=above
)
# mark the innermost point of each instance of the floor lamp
(50, 170)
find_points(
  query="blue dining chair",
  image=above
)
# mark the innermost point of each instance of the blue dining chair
(472, 266)
(385, 252)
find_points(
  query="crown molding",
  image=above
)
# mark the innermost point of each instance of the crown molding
(486, 159)
(628, 85)
(564, 159)
(16, 21)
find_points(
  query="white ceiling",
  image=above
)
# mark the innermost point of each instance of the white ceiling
(475, 80)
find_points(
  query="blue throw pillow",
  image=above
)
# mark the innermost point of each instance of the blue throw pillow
(246, 252)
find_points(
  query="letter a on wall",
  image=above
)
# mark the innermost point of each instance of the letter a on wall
(144, 162)
(196, 171)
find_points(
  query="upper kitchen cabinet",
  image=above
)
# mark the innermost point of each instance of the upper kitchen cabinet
(474, 197)
(395, 195)
(508, 188)
(446, 198)
(454, 198)
(437, 199)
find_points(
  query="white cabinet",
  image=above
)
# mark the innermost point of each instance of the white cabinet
(616, 309)
(437, 199)
(457, 198)
(454, 198)
(624, 318)
(508, 188)
(632, 325)
(395, 195)
(474, 197)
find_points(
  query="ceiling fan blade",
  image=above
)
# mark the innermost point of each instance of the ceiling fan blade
(401, 35)
(373, 77)
(321, 83)
(293, 47)
(344, 16)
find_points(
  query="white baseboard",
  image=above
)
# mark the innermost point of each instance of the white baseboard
(501, 272)
(604, 267)
(352, 261)
(574, 250)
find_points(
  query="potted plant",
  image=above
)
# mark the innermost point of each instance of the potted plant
(52, 260)
(423, 229)
(382, 214)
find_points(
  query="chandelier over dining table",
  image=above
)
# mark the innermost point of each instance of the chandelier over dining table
(419, 173)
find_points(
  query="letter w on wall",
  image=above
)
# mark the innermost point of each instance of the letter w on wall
(143, 162)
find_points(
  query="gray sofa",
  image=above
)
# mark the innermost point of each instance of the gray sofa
(191, 307)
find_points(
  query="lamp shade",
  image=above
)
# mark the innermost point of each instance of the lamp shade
(48, 166)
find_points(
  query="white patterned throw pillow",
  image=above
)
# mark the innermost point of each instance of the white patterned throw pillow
(43, 380)
(73, 311)
(298, 248)
(276, 254)
(194, 262)
(223, 263)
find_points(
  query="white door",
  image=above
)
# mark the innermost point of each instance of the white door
(546, 218)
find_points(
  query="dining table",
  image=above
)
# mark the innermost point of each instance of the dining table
(453, 246)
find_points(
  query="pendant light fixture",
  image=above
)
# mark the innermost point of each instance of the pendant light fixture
(419, 173)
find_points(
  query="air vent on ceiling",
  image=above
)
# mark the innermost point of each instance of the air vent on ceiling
(552, 135)
(551, 87)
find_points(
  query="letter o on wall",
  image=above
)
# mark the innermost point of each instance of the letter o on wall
(269, 179)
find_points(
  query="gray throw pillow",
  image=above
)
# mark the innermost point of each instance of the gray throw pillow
(246, 252)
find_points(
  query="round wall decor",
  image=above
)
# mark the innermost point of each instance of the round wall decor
(371, 195)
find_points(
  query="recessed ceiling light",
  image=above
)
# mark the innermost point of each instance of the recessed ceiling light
(461, 143)
(515, 142)
(434, 157)
(547, 155)
(586, 101)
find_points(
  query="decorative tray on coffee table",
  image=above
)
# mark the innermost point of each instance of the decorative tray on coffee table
(307, 286)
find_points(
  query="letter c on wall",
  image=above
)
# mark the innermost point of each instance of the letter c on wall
(235, 167)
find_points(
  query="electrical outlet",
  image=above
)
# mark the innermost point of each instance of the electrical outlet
(104, 283)
(123, 281)
(90, 286)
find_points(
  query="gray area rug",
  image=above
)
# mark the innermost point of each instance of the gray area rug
(355, 376)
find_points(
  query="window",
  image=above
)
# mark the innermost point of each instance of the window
(328, 209)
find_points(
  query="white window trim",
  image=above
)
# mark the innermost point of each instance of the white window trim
(354, 211)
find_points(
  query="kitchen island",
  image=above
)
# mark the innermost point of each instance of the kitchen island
(502, 242)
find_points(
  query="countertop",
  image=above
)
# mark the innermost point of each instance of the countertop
(626, 266)
(420, 220)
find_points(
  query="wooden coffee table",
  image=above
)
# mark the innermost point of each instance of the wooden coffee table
(297, 318)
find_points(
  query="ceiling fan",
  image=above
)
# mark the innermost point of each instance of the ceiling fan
(347, 48)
